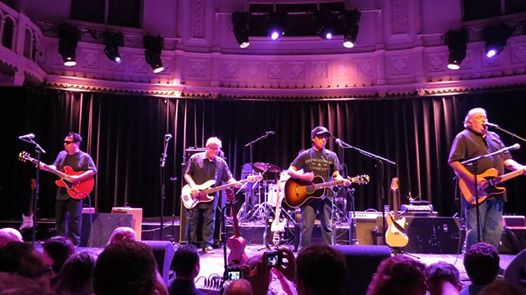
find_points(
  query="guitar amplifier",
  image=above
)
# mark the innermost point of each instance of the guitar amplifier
(137, 218)
(437, 235)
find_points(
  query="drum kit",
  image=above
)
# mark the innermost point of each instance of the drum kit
(262, 197)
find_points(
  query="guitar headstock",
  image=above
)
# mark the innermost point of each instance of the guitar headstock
(254, 178)
(24, 156)
(394, 184)
(360, 179)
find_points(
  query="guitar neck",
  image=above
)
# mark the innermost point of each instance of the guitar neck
(328, 184)
(49, 169)
(221, 187)
(508, 176)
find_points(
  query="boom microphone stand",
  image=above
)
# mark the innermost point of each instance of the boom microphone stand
(167, 138)
(38, 150)
(379, 165)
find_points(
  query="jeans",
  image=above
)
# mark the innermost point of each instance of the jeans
(308, 215)
(69, 210)
(490, 212)
(208, 211)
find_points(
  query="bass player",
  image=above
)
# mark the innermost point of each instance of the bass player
(67, 208)
(202, 167)
(475, 140)
(316, 161)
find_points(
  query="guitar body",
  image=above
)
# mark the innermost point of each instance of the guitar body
(237, 254)
(76, 191)
(468, 190)
(190, 201)
(297, 192)
(395, 235)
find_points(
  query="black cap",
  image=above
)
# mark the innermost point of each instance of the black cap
(319, 131)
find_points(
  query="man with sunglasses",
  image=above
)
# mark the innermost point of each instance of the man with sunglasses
(67, 208)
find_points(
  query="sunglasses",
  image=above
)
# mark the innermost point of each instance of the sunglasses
(68, 141)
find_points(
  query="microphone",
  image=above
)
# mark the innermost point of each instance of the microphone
(513, 147)
(488, 124)
(28, 136)
(167, 137)
(270, 132)
(339, 142)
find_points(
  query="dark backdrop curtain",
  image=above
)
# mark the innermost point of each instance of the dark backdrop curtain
(125, 135)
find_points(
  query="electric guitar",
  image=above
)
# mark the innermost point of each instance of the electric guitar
(277, 226)
(77, 191)
(493, 178)
(297, 192)
(206, 191)
(235, 243)
(27, 220)
(395, 235)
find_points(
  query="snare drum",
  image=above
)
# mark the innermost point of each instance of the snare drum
(272, 194)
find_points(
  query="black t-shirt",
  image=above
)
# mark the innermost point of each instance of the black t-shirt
(322, 163)
(469, 144)
(79, 161)
(203, 169)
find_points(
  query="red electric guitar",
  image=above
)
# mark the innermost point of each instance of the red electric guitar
(235, 243)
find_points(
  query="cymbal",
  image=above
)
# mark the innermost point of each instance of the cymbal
(267, 167)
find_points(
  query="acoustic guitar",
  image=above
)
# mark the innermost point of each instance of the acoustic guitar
(395, 235)
(77, 191)
(206, 191)
(297, 192)
(235, 243)
(493, 178)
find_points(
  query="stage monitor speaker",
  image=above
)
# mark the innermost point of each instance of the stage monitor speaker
(362, 263)
(164, 253)
(436, 235)
(97, 228)
(137, 218)
(516, 270)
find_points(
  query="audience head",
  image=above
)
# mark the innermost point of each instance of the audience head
(320, 269)
(123, 233)
(501, 287)
(76, 275)
(9, 234)
(13, 284)
(398, 275)
(481, 262)
(22, 259)
(239, 287)
(185, 262)
(442, 275)
(125, 267)
(57, 250)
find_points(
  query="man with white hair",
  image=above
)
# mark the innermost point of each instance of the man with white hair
(202, 167)
(475, 140)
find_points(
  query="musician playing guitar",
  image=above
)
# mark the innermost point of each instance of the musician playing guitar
(475, 140)
(316, 161)
(81, 167)
(202, 167)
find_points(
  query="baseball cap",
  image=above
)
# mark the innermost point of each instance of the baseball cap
(319, 131)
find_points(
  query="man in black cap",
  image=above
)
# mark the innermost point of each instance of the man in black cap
(316, 161)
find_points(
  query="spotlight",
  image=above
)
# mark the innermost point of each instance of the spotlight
(350, 23)
(112, 42)
(152, 52)
(495, 36)
(277, 23)
(325, 28)
(241, 21)
(456, 43)
(68, 37)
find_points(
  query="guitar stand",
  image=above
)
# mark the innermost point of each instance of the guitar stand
(401, 251)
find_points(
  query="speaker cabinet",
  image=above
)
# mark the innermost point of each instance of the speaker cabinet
(437, 235)
(97, 228)
(137, 218)
(362, 262)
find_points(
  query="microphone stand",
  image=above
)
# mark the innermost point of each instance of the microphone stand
(507, 132)
(474, 162)
(250, 145)
(379, 165)
(39, 151)
(162, 182)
